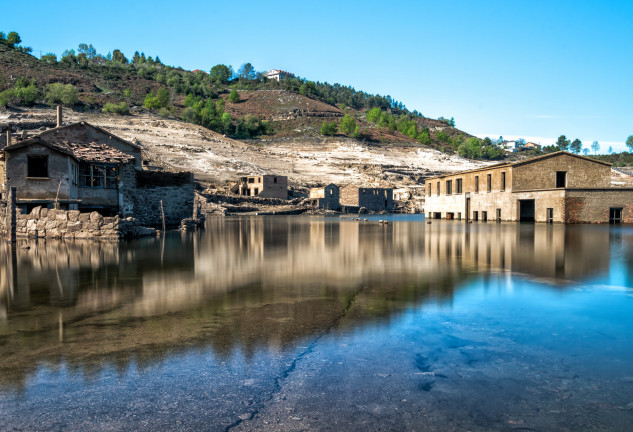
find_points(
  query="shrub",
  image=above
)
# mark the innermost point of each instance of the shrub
(328, 128)
(61, 93)
(234, 96)
(120, 109)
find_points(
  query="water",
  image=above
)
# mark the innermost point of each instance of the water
(309, 323)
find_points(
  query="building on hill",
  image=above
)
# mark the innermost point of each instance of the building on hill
(263, 186)
(372, 199)
(84, 167)
(558, 187)
(326, 197)
(278, 74)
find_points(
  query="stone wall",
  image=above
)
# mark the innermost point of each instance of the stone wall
(175, 190)
(71, 224)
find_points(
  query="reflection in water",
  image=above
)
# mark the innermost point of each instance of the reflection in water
(249, 282)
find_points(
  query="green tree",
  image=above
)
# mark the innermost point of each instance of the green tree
(348, 125)
(26, 93)
(163, 97)
(247, 72)
(585, 151)
(373, 115)
(308, 88)
(13, 39)
(629, 143)
(61, 93)
(49, 58)
(226, 122)
(221, 74)
(328, 128)
(234, 96)
(576, 146)
(595, 146)
(88, 50)
(441, 136)
(119, 57)
(424, 137)
(563, 143)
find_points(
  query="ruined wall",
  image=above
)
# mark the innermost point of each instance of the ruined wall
(38, 188)
(71, 224)
(174, 189)
(592, 206)
(327, 197)
(376, 199)
(349, 196)
(541, 174)
(274, 187)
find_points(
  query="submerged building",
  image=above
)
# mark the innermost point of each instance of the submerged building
(326, 197)
(372, 199)
(86, 168)
(559, 187)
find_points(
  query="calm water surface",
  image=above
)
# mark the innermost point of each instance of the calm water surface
(299, 323)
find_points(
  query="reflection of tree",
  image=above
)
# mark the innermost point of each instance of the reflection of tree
(247, 283)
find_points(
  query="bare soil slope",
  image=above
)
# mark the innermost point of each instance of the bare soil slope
(214, 158)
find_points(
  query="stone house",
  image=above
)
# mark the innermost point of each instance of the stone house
(83, 167)
(326, 197)
(557, 187)
(373, 199)
(263, 186)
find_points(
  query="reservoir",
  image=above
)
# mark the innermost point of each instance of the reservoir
(321, 323)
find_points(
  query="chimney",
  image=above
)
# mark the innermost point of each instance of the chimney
(59, 115)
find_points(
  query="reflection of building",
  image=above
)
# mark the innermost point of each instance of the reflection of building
(557, 187)
(326, 197)
(264, 186)
(373, 199)
(246, 282)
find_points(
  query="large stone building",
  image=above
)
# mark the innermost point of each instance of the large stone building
(86, 168)
(557, 187)
(263, 186)
(372, 199)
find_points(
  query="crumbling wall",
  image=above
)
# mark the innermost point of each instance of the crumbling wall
(175, 190)
(72, 224)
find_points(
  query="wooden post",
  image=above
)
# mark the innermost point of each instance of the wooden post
(162, 213)
(11, 217)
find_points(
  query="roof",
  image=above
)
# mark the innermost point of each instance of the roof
(82, 147)
(523, 162)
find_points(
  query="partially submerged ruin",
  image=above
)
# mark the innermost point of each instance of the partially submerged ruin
(81, 168)
(560, 187)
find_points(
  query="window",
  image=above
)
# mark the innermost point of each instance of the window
(476, 183)
(99, 176)
(274, 179)
(498, 215)
(74, 174)
(484, 216)
(37, 166)
(449, 187)
(251, 180)
(561, 179)
(615, 216)
(430, 187)
(458, 186)
(503, 181)
(550, 215)
(438, 188)
(489, 185)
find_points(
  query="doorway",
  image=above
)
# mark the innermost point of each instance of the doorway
(526, 210)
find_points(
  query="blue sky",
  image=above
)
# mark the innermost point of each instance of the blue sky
(532, 69)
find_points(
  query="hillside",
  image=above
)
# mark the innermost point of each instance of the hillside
(290, 113)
